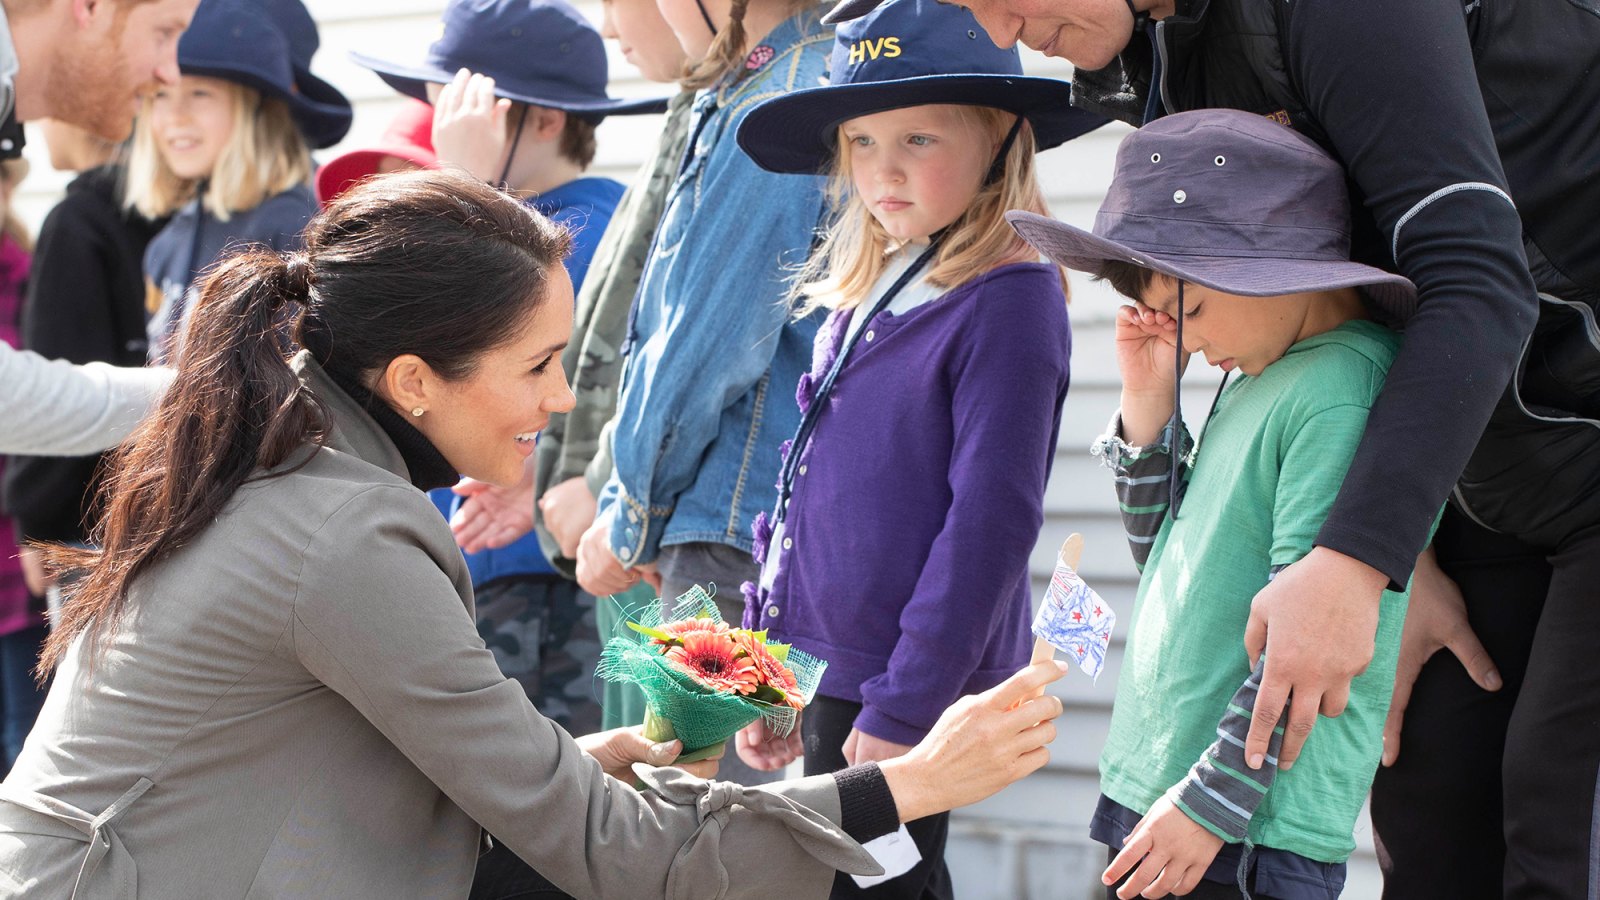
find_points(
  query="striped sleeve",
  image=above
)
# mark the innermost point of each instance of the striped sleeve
(1141, 475)
(1221, 792)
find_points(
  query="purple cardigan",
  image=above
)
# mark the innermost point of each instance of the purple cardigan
(920, 496)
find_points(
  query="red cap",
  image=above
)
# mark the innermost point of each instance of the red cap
(409, 137)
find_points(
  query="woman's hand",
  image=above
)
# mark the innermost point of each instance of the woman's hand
(618, 749)
(1145, 343)
(1175, 849)
(568, 510)
(764, 750)
(861, 747)
(469, 125)
(981, 744)
(599, 571)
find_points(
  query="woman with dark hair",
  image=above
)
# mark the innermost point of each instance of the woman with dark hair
(268, 682)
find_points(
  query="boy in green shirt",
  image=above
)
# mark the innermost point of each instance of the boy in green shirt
(1231, 234)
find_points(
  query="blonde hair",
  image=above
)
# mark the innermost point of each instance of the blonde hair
(265, 156)
(728, 51)
(852, 257)
(13, 171)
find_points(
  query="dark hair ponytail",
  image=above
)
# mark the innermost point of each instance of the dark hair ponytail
(429, 263)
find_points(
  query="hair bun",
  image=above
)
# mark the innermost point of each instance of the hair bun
(297, 277)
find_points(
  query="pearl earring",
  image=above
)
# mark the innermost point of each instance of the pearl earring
(418, 412)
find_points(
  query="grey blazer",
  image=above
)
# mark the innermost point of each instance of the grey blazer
(298, 705)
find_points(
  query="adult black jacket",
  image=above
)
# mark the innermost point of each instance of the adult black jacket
(1444, 113)
(85, 303)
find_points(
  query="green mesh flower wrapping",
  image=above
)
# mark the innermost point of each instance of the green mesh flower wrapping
(700, 717)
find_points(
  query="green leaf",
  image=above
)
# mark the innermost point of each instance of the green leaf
(662, 636)
(780, 652)
(766, 693)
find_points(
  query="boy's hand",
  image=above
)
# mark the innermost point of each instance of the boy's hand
(1145, 344)
(599, 571)
(491, 516)
(1174, 849)
(764, 750)
(568, 510)
(469, 125)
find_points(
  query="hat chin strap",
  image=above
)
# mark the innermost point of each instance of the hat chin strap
(1175, 424)
(511, 153)
(700, 4)
(1140, 19)
(998, 167)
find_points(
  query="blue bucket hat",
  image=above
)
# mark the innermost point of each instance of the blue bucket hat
(541, 52)
(907, 53)
(267, 45)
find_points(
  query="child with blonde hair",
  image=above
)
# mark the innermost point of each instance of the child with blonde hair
(913, 492)
(226, 150)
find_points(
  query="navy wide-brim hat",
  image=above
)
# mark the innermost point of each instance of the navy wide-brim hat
(541, 52)
(907, 53)
(1229, 200)
(849, 10)
(267, 47)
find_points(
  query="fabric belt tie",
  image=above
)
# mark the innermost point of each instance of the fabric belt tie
(715, 800)
(107, 871)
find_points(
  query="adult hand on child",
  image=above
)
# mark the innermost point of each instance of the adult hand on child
(765, 750)
(1316, 621)
(491, 516)
(618, 749)
(1172, 852)
(1145, 340)
(568, 510)
(599, 571)
(861, 747)
(469, 125)
(1436, 619)
(981, 744)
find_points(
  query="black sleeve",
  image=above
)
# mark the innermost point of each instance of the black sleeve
(1393, 86)
(866, 804)
(67, 314)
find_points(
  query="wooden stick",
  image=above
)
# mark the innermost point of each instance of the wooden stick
(1071, 554)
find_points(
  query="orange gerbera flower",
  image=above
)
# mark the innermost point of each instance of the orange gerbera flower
(714, 661)
(677, 630)
(773, 673)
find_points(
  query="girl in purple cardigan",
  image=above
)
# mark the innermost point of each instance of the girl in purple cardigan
(913, 493)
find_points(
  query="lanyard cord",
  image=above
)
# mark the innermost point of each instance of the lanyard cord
(808, 422)
(713, 26)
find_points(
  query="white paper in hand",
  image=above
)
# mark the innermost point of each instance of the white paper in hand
(896, 852)
(1075, 620)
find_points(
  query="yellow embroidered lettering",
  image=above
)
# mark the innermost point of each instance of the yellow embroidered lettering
(858, 52)
(891, 48)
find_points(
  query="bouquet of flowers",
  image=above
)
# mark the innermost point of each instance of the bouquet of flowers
(702, 680)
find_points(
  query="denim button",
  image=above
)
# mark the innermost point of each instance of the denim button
(633, 516)
(788, 543)
(772, 612)
(625, 554)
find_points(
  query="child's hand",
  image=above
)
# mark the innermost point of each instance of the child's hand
(1175, 851)
(469, 125)
(1145, 342)
(861, 747)
(599, 571)
(764, 750)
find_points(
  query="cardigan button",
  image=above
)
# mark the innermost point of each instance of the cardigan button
(772, 612)
(802, 468)
(869, 336)
(788, 543)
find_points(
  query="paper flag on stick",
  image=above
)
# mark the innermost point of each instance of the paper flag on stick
(1073, 618)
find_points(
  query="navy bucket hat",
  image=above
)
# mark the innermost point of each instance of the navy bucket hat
(907, 53)
(267, 46)
(1229, 200)
(541, 52)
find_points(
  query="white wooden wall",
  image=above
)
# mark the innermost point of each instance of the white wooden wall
(1031, 841)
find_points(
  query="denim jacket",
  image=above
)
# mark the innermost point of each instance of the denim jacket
(714, 352)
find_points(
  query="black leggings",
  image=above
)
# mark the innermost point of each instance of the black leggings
(1495, 794)
(825, 727)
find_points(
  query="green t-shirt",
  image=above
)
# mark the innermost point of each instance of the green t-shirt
(1264, 476)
